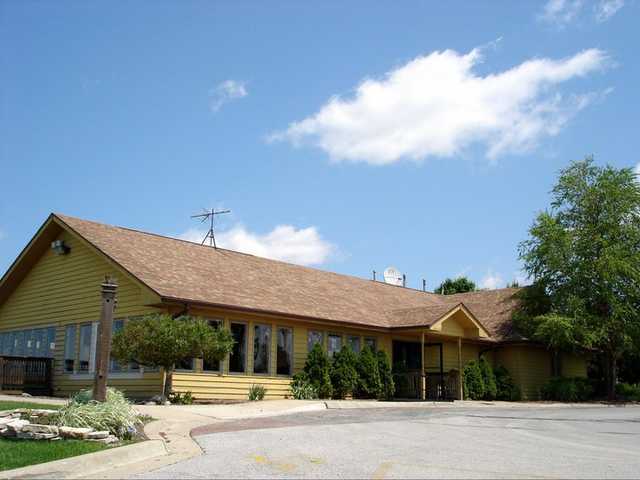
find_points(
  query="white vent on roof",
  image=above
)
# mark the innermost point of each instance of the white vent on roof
(392, 276)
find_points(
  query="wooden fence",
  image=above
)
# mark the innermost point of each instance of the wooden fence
(28, 375)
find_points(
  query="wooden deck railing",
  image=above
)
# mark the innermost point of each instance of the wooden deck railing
(28, 375)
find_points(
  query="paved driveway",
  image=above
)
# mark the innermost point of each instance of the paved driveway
(483, 442)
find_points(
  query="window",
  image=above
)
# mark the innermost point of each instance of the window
(51, 342)
(19, 343)
(9, 343)
(117, 326)
(334, 344)
(313, 337)
(354, 343)
(371, 343)
(85, 347)
(22, 343)
(284, 357)
(208, 365)
(261, 348)
(69, 348)
(238, 357)
(39, 342)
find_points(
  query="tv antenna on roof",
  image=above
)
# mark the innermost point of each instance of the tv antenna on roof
(209, 215)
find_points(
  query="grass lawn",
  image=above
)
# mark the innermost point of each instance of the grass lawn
(10, 405)
(19, 453)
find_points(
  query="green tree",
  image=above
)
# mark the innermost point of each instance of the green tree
(472, 384)
(369, 384)
(456, 285)
(159, 340)
(584, 257)
(388, 388)
(488, 379)
(318, 370)
(344, 376)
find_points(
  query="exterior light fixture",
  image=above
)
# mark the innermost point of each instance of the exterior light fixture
(59, 248)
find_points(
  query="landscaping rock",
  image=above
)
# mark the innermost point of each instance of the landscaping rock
(39, 428)
(17, 425)
(97, 435)
(25, 394)
(72, 432)
(110, 440)
(43, 412)
(5, 420)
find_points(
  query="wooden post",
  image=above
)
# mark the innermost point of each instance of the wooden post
(103, 345)
(423, 377)
(460, 368)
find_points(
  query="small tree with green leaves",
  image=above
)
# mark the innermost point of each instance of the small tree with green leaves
(318, 371)
(369, 384)
(344, 376)
(160, 340)
(455, 285)
(388, 388)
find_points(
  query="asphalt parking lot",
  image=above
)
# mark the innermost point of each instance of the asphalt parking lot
(486, 442)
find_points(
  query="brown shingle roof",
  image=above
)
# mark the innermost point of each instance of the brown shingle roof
(182, 270)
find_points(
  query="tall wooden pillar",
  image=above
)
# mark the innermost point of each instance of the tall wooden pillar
(103, 345)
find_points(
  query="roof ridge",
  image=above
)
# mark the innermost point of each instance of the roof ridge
(166, 237)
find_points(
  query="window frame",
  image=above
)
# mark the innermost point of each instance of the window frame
(290, 355)
(91, 349)
(246, 347)
(375, 343)
(269, 328)
(359, 341)
(70, 345)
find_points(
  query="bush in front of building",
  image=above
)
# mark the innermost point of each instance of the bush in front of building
(344, 376)
(628, 392)
(257, 392)
(473, 384)
(567, 389)
(369, 384)
(318, 371)
(302, 388)
(488, 379)
(506, 388)
(388, 388)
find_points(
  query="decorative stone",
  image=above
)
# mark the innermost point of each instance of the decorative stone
(16, 425)
(6, 420)
(97, 435)
(38, 428)
(72, 432)
(110, 440)
(26, 435)
(25, 394)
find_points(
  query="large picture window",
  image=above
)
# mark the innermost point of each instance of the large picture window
(22, 343)
(238, 356)
(354, 343)
(313, 337)
(334, 344)
(371, 343)
(261, 348)
(212, 365)
(284, 357)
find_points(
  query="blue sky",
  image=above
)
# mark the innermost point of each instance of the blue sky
(345, 135)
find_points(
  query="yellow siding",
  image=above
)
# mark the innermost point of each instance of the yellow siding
(574, 365)
(65, 289)
(229, 387)
(529, 366)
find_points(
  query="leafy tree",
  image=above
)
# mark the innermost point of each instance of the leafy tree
(456, 285)
(584, 257)
(369, 384)
(506, 388)
(488, 379)
(160, 340)
(344, 376)
(318, 370)
(472, 384)
(388, 388)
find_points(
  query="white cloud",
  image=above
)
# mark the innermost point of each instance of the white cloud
(607, 9)
(561, 12)
(225, 92)
(436, 106)
(492, 280)
(302, 246)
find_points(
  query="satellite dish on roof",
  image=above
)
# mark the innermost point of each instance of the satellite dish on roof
(392, 276)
